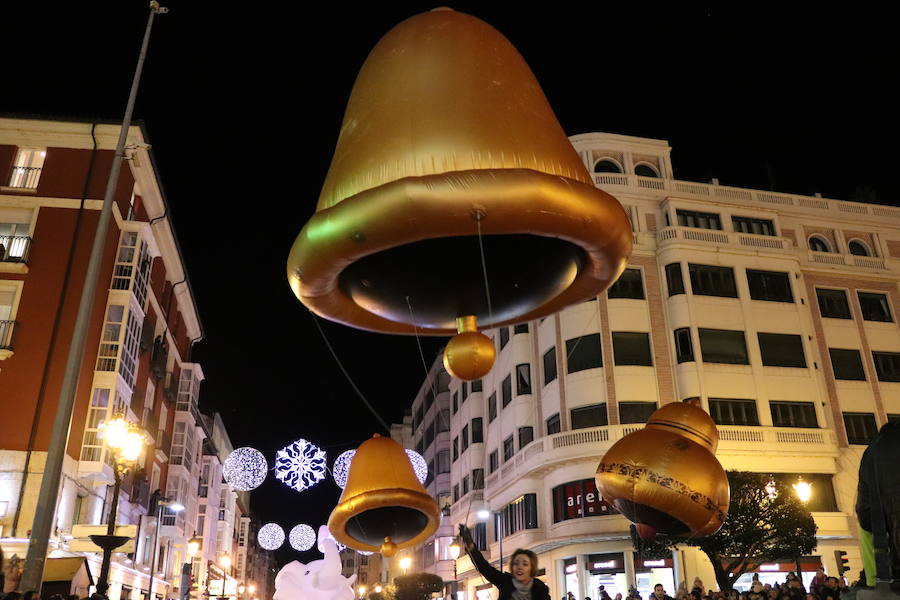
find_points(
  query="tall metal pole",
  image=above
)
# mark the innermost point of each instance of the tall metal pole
(45, 510)
(159, 509)
(103, 581)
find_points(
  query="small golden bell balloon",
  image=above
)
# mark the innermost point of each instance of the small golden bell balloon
(666, 478)
(383, 507)
(470, 354)
(450, 157)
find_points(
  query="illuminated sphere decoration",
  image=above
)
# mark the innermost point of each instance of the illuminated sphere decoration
(302, 537)
(341, 468)
(270, 537)
(300, 465)
(419, 465)
(245, 469)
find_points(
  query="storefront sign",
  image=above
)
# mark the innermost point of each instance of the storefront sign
(578, 499)
(571, 568)
(769, 567)
(607, 564)
(654, 563)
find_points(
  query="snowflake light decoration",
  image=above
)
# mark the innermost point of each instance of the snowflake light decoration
(341, 468)
(302, 537)
(270, 537)
(300, 465)
(245, 469)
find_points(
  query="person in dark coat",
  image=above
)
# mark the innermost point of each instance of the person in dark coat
(520, 583)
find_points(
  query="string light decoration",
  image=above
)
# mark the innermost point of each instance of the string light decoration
(270, 536)
(245, 469)
(341, 467)
(302, 537)
(300, 465)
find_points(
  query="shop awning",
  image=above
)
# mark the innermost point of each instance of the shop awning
(66, 569)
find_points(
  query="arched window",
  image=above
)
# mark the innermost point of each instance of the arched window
(607, 165)
(646, 170)
(819, 244)
(858, 248)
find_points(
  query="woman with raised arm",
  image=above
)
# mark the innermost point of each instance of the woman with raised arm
(521, 583)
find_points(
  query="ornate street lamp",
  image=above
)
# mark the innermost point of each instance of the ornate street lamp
(405, 562)
(454, 549)
(803, 489)
(125, 442)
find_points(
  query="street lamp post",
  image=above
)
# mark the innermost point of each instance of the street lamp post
(160, 504)
(45, 509)
(405, 563)
(126, 442)
(454, 549)
(225, 563)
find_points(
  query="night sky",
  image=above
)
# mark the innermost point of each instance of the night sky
(243, 103)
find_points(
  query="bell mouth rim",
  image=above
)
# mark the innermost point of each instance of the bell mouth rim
(394, 214)
(372, 499)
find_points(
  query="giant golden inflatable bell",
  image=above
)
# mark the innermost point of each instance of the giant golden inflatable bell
(448, 147)
(666, 477)
(384, 507)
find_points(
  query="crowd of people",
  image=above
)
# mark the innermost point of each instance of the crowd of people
(822, 587)
(32, 595)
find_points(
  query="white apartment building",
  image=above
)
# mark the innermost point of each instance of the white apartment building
(778, 311)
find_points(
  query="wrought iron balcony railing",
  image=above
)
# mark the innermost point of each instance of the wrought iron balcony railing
(6, 334)
(24, 177)
(14, 248)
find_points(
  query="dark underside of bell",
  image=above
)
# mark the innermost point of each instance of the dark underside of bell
(660, 521)
(443, 278)
(400, 523)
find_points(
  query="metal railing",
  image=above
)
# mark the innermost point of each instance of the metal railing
(24, 177)
(717, 236)
(14, 248)
(6, 334)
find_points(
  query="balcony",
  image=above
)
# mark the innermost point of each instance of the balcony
(7, 329)
(14, 248)
(832, 260)
(543, 454)
(150, 422)
(24, 178)
(672, 235)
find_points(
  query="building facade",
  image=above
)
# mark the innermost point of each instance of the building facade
(137, 360)
(776, 312)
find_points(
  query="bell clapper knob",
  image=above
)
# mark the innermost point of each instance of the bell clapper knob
(388, 548)
(470, 354)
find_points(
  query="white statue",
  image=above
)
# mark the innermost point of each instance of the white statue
(319, 580)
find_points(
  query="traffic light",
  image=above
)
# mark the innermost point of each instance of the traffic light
(843, 565)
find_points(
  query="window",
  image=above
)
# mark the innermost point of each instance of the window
(455, 404)
(523, 379)
(793, 414)
(112, 335)
(847, 364)
(584, 353)
(494, 461)
(465, 485)
(7, 315)
(442, 422)
(781, 350)
(887, 365)
(476, 386)
(455, 448)
(508, 448)
(526, 436)
(674, 279)
(429, 434)
(15, 241)
(504, 337)
(519, 514)
(492, 407)
(456, 492)
(861, 427)
(523, 328)
(684, 348)
(430, 475)
(553, 425)
(92, 444)
(464, 391)
(707, 280)
(755, 226)
(723, 346)
(645, 170)
(728, 411)
(893, 418)
(589, 416)
(698, 220)
(577, 499)
(607, 165)
(819, 244)
(478, 479)
(464, 438)
(27, 167)
(858, 248)
(419, 417)
(506, 390)
(771, 286)
(631, 348)
(550, 365)
(628, 285)
(635, 412)
(477, 431)
(874, 307)
(833, 304)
